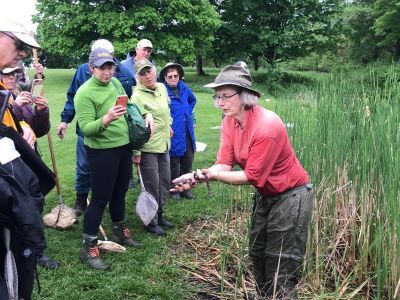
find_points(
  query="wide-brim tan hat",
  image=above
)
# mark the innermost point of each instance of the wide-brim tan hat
(19, 31)
(236, 76)
(170, 65)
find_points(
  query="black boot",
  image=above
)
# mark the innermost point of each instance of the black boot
(163, 222)
(90, 253)
(80, 203)
(47, 262)
(155, 229)
(122, 236)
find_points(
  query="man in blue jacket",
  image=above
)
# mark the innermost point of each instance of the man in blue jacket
(183, 143)
(82, 74)
(143, 50)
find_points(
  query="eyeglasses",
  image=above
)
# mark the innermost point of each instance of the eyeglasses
(19, 45)
(14, 74)
(223, 98)
(172, 76)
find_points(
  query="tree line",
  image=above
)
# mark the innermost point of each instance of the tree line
(220, 31)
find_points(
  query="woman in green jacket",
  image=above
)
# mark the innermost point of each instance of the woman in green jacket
(153, 158)
(108, 151)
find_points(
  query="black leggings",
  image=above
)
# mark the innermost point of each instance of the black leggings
(111, 169)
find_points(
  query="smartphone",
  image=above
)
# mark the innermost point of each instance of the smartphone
(37, 88)
(122, 100)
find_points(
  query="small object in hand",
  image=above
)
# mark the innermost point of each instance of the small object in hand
(122, 100)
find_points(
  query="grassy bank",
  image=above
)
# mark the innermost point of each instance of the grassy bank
(345, 129)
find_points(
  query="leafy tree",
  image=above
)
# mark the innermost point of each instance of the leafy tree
(180, 30)
(387, 25)
(358, 20)
(274, 30)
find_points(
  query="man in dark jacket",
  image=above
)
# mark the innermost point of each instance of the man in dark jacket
(82, 74)
(183, 143)
(20, 204)
(143, 50)
(20, 198)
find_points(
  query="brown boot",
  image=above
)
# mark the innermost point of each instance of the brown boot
(90, 253)
(80, 203)
(122, 235)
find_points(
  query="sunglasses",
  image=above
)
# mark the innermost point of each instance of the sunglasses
(19, 45)
(172, 76)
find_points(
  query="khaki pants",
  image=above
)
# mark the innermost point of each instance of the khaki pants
(279, 232)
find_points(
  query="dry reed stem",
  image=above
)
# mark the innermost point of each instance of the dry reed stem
(213, 242)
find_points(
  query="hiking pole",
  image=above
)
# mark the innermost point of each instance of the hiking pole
(50, 140)
(53, 157)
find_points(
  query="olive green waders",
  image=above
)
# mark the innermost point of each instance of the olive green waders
(279, 232)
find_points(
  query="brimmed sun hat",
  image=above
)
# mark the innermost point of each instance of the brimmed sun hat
(170, 65)
(236, 76)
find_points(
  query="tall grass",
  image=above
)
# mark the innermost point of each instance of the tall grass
(352, 154)
(346, 132)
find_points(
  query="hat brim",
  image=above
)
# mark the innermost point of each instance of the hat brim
(10, 70)
(27, 39)
(142, 68)
(164, 70)
(101, 62)
(214, 85)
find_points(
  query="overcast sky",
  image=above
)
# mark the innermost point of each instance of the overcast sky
(20, 10)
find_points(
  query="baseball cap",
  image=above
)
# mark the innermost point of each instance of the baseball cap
(11, 70)
(100, 56)
(141, 64)
(19, 31)
(144, 43)
(236, 76)
(103, 43)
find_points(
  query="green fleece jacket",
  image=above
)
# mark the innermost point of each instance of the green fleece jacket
(92, 101)
(157, 103)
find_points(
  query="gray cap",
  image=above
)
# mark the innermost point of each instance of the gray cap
(141, 64)
(100, 56)
(169, 65)
(236, 76)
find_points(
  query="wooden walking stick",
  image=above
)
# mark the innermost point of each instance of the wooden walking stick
(63, 211)
(49, 139)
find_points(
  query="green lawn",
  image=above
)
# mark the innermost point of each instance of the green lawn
(345, 130)
(145, 273)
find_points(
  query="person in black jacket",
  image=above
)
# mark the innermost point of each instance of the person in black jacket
(20, 204)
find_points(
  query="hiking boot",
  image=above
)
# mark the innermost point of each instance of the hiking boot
(122, 235)
(80, 203)
(188, 195)
(90, 253)
(47, 262)
(155, 229)
(164, 223)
